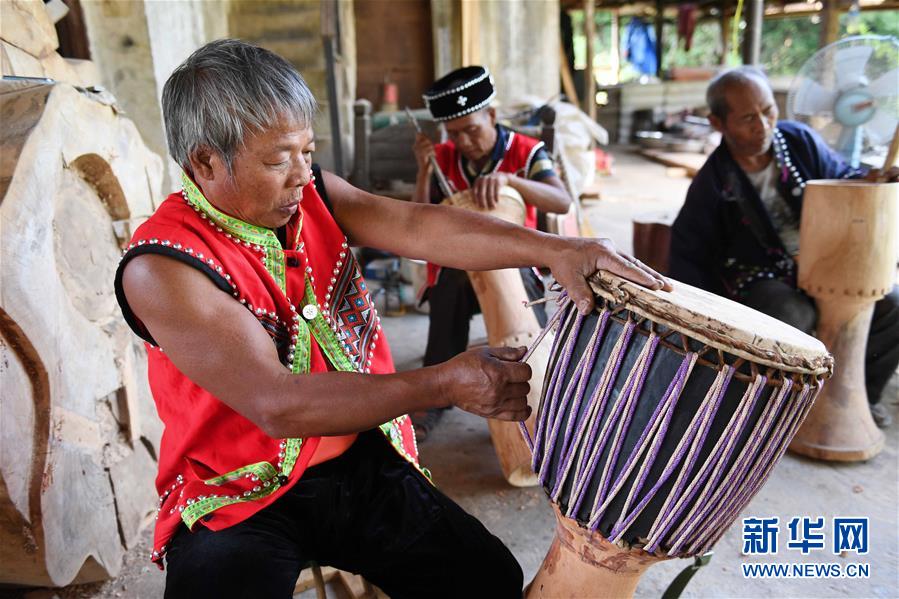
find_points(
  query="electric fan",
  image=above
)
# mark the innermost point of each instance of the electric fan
(848, 91)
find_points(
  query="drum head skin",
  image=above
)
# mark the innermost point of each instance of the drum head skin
(720, 323)
(510, 207)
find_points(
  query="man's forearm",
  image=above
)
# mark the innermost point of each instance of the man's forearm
(331, 403)
(470, 241)
(546, 197)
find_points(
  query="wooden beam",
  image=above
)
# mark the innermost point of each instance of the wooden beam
(589, 77)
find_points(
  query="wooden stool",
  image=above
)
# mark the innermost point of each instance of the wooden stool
(353, 586)
(652, 238)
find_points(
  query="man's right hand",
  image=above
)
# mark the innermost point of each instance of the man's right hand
(488, 382)
(423, 148)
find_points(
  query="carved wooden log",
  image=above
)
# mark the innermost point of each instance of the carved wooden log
(28, 44)
(79, 429)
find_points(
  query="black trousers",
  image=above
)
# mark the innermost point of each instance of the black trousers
(368, 512)
(453, 303)
(794, 307)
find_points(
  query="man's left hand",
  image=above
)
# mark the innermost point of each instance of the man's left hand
(891, 175)
(581, 258)
(486, 189)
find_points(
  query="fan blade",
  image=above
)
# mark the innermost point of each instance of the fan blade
(886, 85)
(849, 66)
(881, 127)
(812, 98)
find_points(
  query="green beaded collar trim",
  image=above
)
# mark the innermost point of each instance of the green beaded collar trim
(251, 234)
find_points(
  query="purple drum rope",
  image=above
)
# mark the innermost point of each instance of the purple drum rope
(631, 392)
(564, 345)
(579, 379)
(549, 325)
(599, 397)
(659, 420)
(695, 436)
(705, 416)
(720, 491)
(549, 425)
(742, 468)
(568, 448)
(588, 448)
(716, 461)
(775, 448)
(593, 459)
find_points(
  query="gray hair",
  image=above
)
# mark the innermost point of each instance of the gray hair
(715, 94)
(226, 90)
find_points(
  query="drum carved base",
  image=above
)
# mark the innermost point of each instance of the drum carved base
(581, 563)
(839, 426)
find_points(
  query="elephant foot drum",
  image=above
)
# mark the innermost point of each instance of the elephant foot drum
(662, 414)
(501, 295)
(847, 244)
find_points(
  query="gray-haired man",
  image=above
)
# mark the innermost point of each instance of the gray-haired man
(286, 439)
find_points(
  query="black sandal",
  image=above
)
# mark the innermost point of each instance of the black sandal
(425, 422)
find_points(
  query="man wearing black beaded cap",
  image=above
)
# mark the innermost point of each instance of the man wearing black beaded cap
(482, 156)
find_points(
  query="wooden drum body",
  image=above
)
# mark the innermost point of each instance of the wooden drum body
(661, 417)
(848, 237)
(501, 295)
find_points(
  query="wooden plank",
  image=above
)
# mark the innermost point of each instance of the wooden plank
(691, 162)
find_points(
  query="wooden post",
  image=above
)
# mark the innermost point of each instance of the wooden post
(724, 20)
(830, 23)
(330, 32)
(589, 78)
(567, 79)
(471, 31)
(361, 176)
(616, 44)
(752, 42)
(660, 22)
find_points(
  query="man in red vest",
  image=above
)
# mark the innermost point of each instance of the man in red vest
(482, 156)
(286, 440)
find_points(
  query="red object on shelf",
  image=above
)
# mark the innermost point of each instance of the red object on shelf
(604, 161)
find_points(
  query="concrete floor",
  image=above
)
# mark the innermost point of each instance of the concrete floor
(461, 458)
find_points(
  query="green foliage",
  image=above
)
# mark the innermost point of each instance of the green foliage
(788, 43)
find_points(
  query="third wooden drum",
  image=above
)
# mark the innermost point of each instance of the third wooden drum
(847, 245)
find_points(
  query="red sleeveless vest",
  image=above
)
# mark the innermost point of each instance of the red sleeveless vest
(215, 466)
